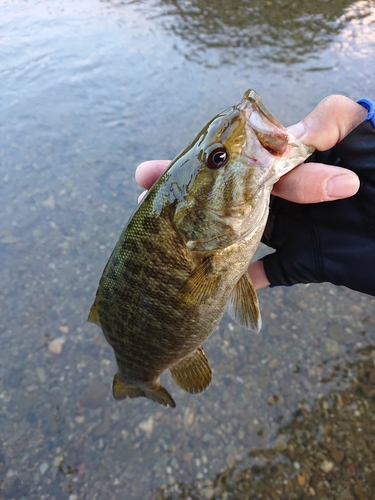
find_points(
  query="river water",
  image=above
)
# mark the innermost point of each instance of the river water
(90, 89)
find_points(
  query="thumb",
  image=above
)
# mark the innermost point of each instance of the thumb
(332, 120)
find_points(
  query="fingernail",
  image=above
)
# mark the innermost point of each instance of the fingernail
(342, 186)
(297, 130)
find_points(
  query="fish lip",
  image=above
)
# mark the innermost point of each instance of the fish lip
(252, 97)
(261, 125)
(272, 135)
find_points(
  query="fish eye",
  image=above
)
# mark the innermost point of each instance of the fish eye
(217, 158)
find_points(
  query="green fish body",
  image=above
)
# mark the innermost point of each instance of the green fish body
(182, 259)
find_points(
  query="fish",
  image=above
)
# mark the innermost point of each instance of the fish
(182, 258)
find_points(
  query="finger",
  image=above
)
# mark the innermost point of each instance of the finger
(332, 120)
(148, 172)
(258, 275)
(316, 182)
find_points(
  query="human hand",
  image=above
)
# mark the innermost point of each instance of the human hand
(332, 120)
(328, 242)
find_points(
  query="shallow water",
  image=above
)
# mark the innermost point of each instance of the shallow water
(90, 89)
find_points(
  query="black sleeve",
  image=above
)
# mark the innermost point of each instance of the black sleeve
(330, 241)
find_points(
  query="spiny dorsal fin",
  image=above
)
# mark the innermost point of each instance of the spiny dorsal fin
(201, 285)
(93, 315)
(243, 305)
(157, 393)
(193, 374)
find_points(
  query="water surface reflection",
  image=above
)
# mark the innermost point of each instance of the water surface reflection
(281, 31)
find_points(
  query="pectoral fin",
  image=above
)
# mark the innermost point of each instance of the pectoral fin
(201, 285)
(243, 305)
(193, 374)
(156, 393)
(93, 315)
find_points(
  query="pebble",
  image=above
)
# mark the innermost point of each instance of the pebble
(301, 480)
(206, 437)
(372, 376)
(31, 388)
(281, 443)
(230, 460)
(326, 466)
(41, 373)
(263, 379)
(43, 468)
(49, 202)
(273, 399)
(58, 460)
(337, 333)
(10, 239)
(208, 493)
(337, 455)
(188, 417)
(331, 346)
(56, 345)
(327, 429)
(64, 329)
(273, 364)
(147, 426)
(359, 493)
(345, 495)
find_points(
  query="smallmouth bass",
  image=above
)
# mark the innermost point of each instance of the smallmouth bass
(182, 258)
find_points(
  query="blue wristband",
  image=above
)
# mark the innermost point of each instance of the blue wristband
(370, 106)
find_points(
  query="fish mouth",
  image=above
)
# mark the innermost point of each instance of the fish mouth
(254, 98)
(271, 134)
(268, 140)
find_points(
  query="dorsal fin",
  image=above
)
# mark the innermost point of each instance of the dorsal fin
(243, 305)
(193, 374)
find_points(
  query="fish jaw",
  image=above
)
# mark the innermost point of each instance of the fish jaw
(269, 148)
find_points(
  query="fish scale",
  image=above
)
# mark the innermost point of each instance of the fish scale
(182, 258)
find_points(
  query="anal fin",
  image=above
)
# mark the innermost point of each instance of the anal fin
(157, 393)
(243, 305)
(193, 374)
